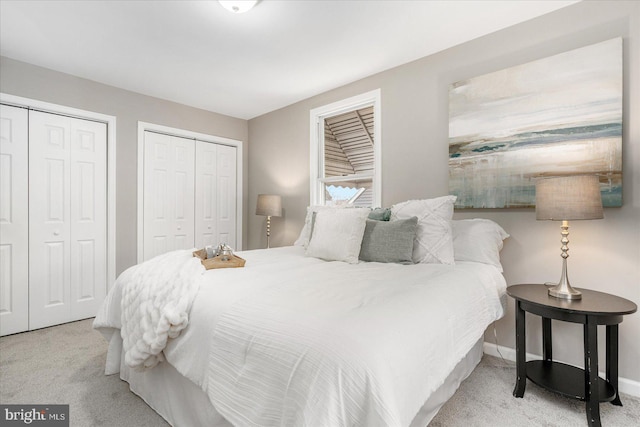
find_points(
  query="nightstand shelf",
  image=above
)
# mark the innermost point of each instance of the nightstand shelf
(566, 380)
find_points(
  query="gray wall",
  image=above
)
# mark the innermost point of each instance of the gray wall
(605, 254)
(26, 80)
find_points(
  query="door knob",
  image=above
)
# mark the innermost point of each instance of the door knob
(56, 233)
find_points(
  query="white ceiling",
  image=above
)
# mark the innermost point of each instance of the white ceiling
(243, 65)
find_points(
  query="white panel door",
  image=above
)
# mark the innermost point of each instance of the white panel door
(226, 194)
(67, 218)
(88, 217)
(157, 215)
(206, 197)
(49, 219)
(168, 193)
(14, 220)
(183, 192)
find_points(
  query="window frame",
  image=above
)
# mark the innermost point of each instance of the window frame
(316, 162)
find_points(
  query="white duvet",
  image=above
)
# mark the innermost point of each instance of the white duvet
(295, 341)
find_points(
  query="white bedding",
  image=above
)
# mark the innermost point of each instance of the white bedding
(293, 340)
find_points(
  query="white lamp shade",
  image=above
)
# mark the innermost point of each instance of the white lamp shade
(269, 205)
(568, 198)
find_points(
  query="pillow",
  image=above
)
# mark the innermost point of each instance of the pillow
(478, 240)
(380, 214)
(307, 228)
(433, 242)
(305, 233)
(337, 234)
(389, 241)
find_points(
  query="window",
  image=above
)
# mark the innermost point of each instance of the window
(345, 152)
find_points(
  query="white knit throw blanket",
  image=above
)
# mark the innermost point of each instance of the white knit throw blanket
(156, 300)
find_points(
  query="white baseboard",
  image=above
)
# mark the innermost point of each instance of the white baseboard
(625, 385)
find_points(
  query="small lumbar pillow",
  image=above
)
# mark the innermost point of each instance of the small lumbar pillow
(478, 240)
(389, 241)
(434, 241)
(337, 234)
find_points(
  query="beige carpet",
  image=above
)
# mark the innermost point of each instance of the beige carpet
(65, 364)
(485, 399)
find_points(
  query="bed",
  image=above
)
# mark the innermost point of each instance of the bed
(298, 340)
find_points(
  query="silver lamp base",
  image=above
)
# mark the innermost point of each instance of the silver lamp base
(563, 292)
(563, 289)
(268, 230)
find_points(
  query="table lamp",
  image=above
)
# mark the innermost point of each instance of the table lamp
(269, 205)
(567, 198)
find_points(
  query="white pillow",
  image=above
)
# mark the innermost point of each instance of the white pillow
(305, 233)
(434, 241)
(478, 240)
(337, 234)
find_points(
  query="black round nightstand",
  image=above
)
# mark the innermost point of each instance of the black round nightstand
(595, 308)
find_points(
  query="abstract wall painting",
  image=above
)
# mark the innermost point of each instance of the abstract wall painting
(560, 115)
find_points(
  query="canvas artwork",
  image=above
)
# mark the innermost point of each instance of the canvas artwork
(560, 115)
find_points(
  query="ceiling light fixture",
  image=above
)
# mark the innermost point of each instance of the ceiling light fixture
(238, 6)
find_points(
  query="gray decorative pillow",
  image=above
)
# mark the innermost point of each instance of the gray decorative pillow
(389, 241)
(380, 214)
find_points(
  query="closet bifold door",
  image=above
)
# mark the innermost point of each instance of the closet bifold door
(215, 194)
(14, 220)
(168, 194)
(226, 208)
(67, 218)
(206, 228)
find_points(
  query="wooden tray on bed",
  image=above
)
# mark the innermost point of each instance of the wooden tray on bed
(217, 262)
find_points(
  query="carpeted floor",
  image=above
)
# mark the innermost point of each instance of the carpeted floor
(485, 399)
(65, 364)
